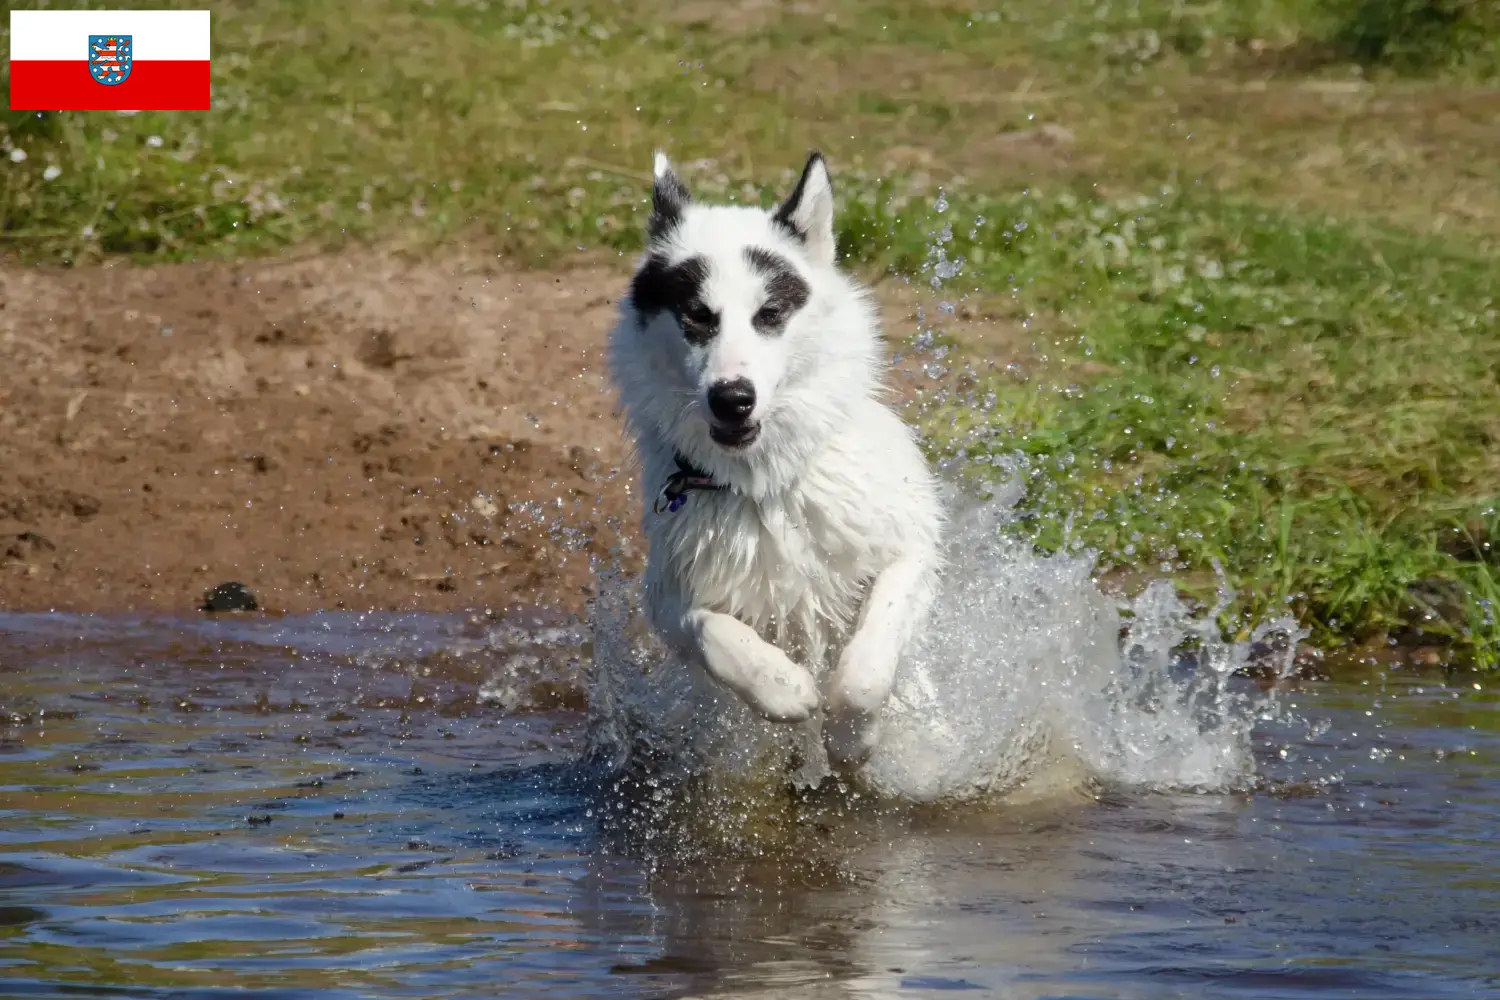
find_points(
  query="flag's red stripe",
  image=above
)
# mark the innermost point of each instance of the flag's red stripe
(67, 86)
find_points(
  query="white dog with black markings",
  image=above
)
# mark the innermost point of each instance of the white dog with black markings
(794, 525)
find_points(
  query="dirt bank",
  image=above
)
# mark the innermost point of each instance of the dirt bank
(350, 431)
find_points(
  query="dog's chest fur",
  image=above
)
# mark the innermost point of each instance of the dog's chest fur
(794, 567)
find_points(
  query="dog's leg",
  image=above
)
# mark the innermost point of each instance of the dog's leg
(895, 607)
(734, 655)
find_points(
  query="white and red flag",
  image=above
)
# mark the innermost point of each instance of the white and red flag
(109, 60)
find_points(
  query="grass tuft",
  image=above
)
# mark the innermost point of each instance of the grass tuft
(1418, 35)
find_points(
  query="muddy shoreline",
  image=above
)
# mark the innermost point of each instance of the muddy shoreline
(354, 432)
(362, 430)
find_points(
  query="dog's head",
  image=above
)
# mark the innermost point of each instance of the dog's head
(729, 301)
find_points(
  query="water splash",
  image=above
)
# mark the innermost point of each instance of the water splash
(1028, 665)
(1027, 669)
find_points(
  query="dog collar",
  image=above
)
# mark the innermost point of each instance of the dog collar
(675, 490)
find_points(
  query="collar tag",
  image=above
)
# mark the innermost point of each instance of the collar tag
(674, 492)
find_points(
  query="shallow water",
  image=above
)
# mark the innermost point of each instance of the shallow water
(1024, 674)
(394, 806)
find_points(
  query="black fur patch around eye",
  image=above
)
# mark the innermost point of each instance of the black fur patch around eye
(786, 292)
(660, 287)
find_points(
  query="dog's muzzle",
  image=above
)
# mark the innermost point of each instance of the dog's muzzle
(732, 402)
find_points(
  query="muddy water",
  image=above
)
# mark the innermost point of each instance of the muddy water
(385, 806)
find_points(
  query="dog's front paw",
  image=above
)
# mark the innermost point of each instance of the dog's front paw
(850, 735)
(773, 686)
(857, 694)
(781, 691)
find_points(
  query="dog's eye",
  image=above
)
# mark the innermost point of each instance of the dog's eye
(699, 316)
(769, 316)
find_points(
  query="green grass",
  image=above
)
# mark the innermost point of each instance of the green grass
(1399, 36)
(1416, 35)
(1285, 365)
(526, 126)
(1312, 405)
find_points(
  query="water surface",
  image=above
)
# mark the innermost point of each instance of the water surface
(385, 806)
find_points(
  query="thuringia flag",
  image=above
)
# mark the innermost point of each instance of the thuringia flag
(122, 60)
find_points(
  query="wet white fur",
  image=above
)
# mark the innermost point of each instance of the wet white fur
(801, 585)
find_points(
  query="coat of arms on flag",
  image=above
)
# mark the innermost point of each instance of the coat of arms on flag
(109, 58)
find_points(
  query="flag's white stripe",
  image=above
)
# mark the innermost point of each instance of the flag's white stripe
(64, 34)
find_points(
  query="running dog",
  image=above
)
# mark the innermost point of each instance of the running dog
(794, 525)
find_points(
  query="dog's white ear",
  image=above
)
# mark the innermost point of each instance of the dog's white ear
(807, 212)
(669, 197)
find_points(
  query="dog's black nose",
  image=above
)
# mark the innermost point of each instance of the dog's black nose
(732, 401)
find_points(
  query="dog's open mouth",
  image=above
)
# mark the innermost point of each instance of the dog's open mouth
(739, 436)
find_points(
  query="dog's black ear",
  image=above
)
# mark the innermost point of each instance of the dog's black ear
(807, 212)
(669, 197)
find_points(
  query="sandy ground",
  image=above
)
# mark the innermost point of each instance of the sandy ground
(352, 431)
